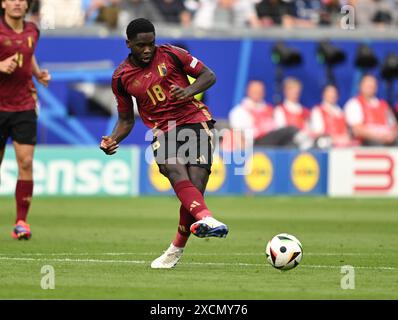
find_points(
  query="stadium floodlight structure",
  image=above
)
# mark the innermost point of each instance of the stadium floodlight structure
(389, 72)
(389, 68)
(329, 55)
(283, 56)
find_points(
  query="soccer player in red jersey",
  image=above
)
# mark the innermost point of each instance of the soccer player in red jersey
(18, 118)
(154, 78)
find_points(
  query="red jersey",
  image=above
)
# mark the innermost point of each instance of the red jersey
(334, 124)
(149, 88)
(374, 115)
(263, 121)
(17, 92)
(296, 119)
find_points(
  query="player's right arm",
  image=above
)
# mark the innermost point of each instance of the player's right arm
(123, 127)
(9, 65)
(126, 119)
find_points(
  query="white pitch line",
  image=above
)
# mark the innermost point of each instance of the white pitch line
(185, 263)
(193, 254)
(75, 260)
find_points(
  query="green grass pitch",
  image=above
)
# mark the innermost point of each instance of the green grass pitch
(101, 248)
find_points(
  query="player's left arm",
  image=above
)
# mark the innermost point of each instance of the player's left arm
(42, 75)
(203, 82)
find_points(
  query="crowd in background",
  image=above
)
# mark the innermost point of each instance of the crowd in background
(207, 14)
(364, 119)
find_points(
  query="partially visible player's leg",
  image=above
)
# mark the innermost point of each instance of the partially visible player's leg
(192, 209)
(24, 189)
(23, 133)
(208, 226)
(191, 198)
(174, 172)
(24, 155)
(199, 180)
(199, 177)
(4, 132)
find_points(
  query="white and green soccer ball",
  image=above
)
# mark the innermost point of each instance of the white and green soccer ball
(284, 251)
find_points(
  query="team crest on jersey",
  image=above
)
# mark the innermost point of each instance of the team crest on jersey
(136, 83)
(30, 42)
(162, 69)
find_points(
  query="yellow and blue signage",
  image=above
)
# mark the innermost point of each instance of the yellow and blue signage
(259, 175)
(218, 176)
(305, 172)
(264, 172)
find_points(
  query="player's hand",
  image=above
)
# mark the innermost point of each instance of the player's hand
(178, 93)
(108, 145)
(9, 65)
(44, 77)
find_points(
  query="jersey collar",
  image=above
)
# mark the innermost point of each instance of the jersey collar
(3, 21)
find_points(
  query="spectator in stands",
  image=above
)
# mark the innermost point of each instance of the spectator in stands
(62, 13)
(307, 13)
(291, 112)
(330, 13)
(275, 13)
(226, 14)
(328, 121)
(371, 119)
(173, 11)
(252, 122)
(289, 13)
(108, 13)
(92, 10)
(374, 12)
(133, 9)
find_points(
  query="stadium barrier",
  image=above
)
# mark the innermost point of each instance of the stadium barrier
(80, 171)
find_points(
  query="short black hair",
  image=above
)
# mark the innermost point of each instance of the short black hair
(139, 25)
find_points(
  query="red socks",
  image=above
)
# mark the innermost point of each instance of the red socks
(23, 197)
(193, 208)
(191, 199)
(183, 232)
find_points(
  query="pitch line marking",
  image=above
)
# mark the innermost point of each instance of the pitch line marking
(192, 254)
(184, 263)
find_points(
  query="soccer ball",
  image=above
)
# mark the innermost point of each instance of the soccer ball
(284, 251)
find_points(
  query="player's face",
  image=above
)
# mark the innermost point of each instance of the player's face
(142, 48)
(15, 9)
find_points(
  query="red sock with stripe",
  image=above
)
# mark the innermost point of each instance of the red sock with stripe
(23, 197)
(183, 232)
(191, 199)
